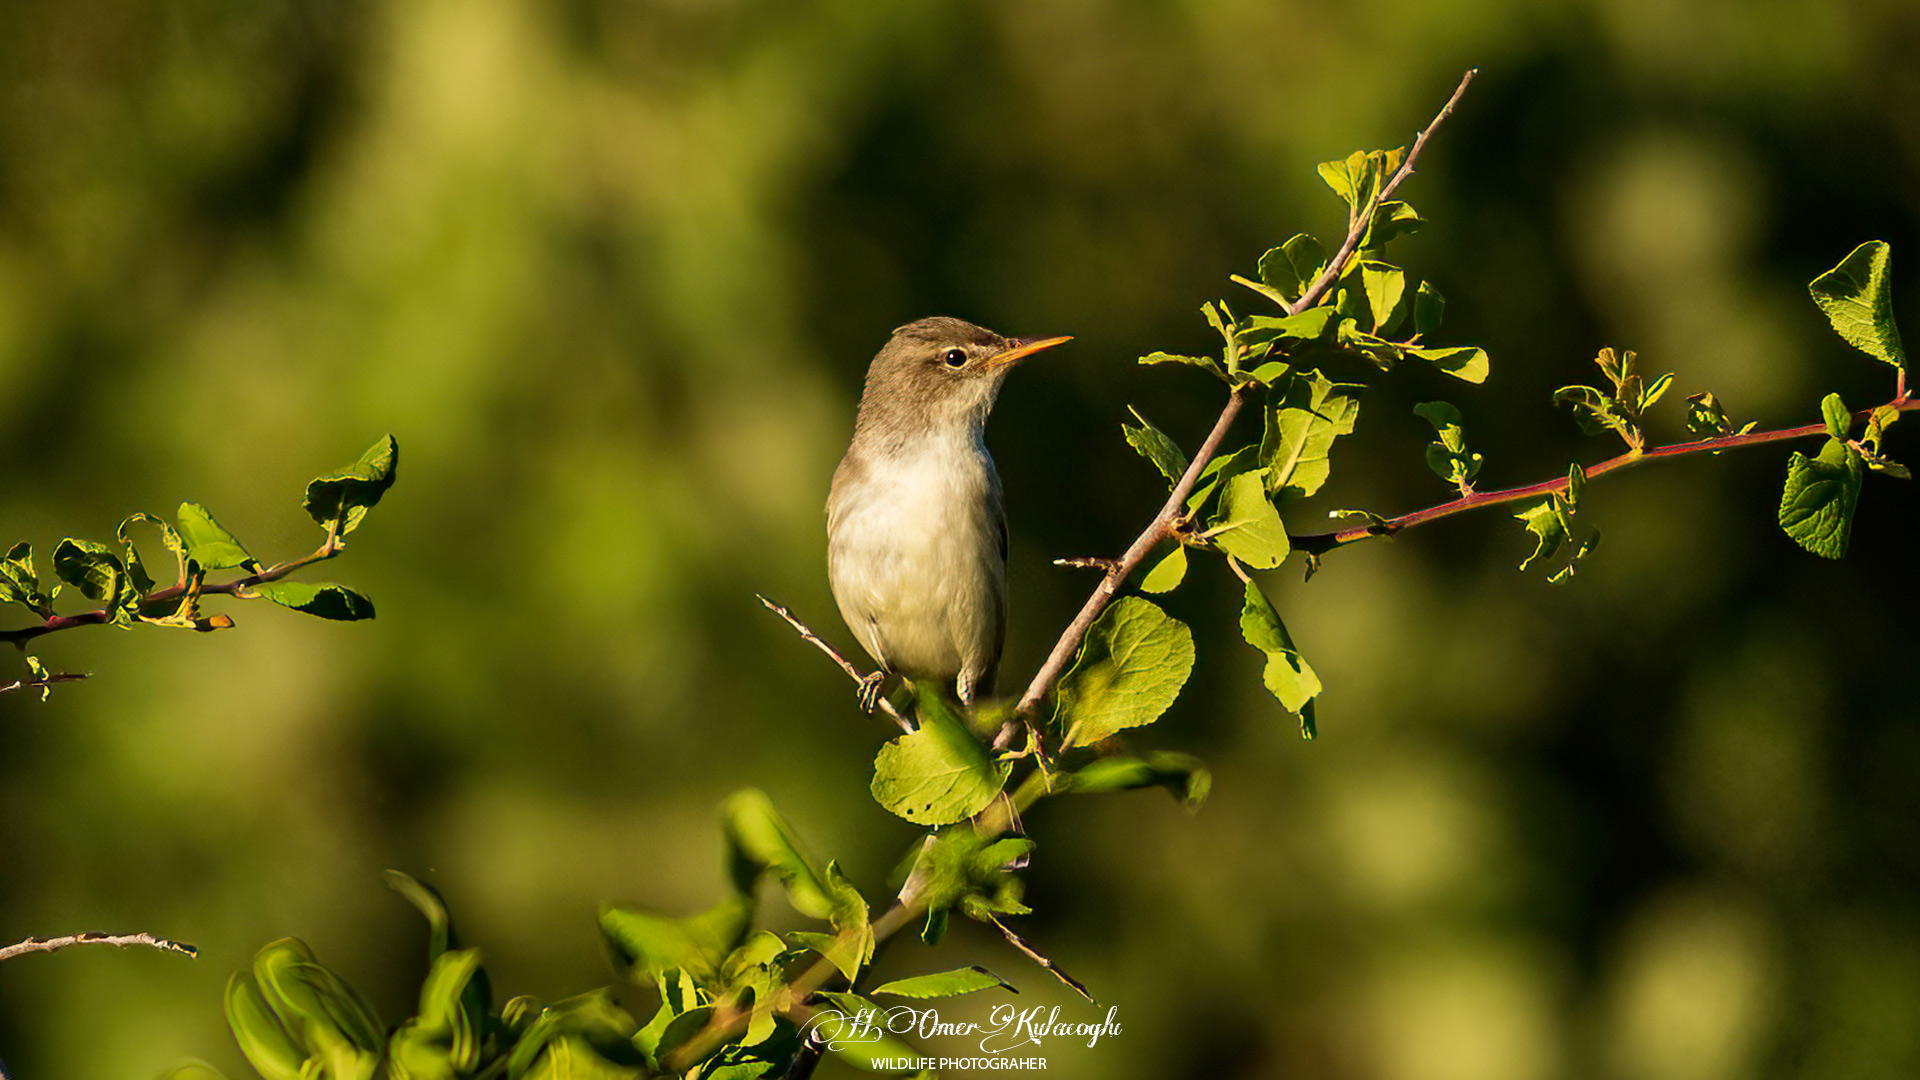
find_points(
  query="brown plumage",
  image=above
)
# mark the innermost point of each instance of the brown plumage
(916, 530)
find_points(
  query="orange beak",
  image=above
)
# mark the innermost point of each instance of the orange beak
(1022, 348)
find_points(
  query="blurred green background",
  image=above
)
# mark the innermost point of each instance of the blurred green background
(611, 270)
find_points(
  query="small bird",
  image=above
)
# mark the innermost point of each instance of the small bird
(916, 530)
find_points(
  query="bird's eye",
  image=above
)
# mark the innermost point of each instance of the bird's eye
(956, 358)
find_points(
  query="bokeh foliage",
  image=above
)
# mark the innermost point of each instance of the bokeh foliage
(612, 272)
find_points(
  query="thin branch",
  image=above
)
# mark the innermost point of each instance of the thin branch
(1337, 265)
(1161, 527)
(846, 665)
(160, 597)
(1038, 957)
(119, 941)
(1320, 543)
(48, 680)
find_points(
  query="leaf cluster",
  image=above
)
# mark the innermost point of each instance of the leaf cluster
(116, 577)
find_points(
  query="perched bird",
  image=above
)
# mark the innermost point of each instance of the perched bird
(916, 532)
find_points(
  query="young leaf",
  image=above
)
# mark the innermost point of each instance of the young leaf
(347, 494)
(1130, 669)
(1548, 526)
(938, 773)
(650, 945)
(760, 841)
(1168, 573)
(1464, 363)
(1834, 412)
(1857, 296)
(1816, 508)
(1390, 221)
(852, 946)
(1246, 526)
(273, 1051)
(1263, 330)
(1448, 455)
(1282, 273)
(213, 547)
(1302, 422)
(1386, 287)
(1184, 775)
(1207, 362)
(20, 582)
(1706, 418)
(326, 600)
(1428, 307)
(91, 567)
(1154, 445)
(964, 980)
(1288, 676)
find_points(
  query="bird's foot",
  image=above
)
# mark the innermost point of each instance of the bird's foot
(870, 691)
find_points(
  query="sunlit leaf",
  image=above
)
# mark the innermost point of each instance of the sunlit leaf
(1131, 667)
(326, 600)
(348, 493)
(938, 773)
(1816, 508)
(942, 984)
(1288, 676)
(1857, 296)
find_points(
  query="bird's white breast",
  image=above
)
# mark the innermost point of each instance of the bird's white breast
(914, 556)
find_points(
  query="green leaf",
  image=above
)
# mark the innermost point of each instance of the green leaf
(852, 946)
(1302, 421)
(1834, 412)
(1222, 466)
(1706, 418)
(213, 547)
(91, 567)
(136, 568)
(348, 493)
(1186, 776)
(20, 582)
(1207, 362)
(650, 945)
(273, 1051)
(760, 841)
(326, 600)
(1246, 526)
(1390, 221)
(1168, 573)
(1386, 287)
(1655, 390)
(337, 1025)
(1465, 363)
(1428, 307)
(964, 980)
(1291, 267)
(1857, 296)
(442, 1041)
(839, 1027)
(938, 773)
(1264, 330)
(1816, 509)
(1130, 669)
(1546, 523)
(1156, 447)
(1220, 317)
(1288, 676)
(1448, 455)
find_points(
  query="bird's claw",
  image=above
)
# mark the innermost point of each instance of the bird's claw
(870, 691)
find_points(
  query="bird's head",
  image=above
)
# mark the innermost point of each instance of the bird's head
(941, 371)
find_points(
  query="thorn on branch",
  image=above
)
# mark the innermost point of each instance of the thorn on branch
(1090, 562)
